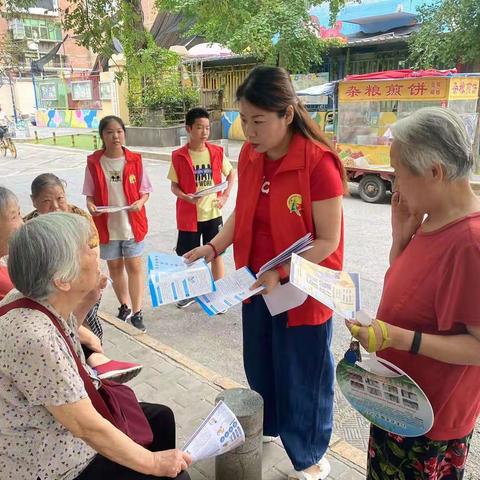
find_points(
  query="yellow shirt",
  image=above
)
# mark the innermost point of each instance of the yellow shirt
(206, 207)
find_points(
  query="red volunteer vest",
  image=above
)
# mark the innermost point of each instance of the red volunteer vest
(182, 162)
(132, 178)
(289, 194)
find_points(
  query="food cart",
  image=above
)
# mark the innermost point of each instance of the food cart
(369, 104)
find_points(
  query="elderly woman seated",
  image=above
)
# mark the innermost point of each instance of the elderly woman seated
(48, 195)
(428, 321)
(10, 220)
(49, 428)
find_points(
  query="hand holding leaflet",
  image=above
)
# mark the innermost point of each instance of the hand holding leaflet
(301, 245)
(229, 291)
(219, 187)
(220, 432)
(170, 279)
(111, 209)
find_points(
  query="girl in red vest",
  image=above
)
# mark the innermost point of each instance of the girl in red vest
(290, 183)
(115, 177)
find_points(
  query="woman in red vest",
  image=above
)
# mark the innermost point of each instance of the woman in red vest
(115, 177)
(290, 183)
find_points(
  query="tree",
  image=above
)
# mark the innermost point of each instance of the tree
(449, 33)
(12, 53)
(274, 31)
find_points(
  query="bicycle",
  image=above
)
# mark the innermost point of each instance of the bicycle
(7, 143)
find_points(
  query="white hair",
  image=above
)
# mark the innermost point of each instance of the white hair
(432, 136)
(7, 197)
(45, 249)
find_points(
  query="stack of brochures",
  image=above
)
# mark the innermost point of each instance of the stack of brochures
(220, 187)
(301, 245)
(170, 279)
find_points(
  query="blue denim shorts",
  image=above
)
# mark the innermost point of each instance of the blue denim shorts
(115, 249)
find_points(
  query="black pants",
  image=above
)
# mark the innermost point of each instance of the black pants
(205, 232)
(162, 423)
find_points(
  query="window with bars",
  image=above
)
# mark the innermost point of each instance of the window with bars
(36, 29)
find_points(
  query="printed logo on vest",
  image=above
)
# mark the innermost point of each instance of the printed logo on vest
(132, 178)
(294, 204)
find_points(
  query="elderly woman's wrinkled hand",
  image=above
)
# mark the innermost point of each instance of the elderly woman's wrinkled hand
(170, 463)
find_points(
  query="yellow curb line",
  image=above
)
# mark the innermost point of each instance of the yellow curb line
(337, 446)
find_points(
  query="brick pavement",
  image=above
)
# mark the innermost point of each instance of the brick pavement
(190, 390)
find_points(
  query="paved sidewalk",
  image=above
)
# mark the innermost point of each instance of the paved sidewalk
(190, 390)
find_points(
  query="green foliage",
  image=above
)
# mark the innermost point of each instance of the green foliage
(274, 31)
(163, 92)
(97, 22)
(12, 53)
(449, 33)
(15, 7)
(152, 72)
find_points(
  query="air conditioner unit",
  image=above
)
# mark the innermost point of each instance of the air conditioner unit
(17, 28)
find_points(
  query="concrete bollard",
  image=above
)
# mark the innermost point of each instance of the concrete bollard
(36, 136)
(73, 140)
(245, 462)
(54, 138)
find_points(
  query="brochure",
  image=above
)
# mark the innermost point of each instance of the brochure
(219, 187)
(229, 291)
(170, 279)
(301, 245)
(284, 298)
(337, 290)
(112, 209)
(220, 432)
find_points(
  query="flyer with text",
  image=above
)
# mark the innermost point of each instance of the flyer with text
(337, 290)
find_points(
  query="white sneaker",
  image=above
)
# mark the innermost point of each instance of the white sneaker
(268, 439)
(322, 474)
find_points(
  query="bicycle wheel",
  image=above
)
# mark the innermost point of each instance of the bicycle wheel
(3, 148)
(12, 148)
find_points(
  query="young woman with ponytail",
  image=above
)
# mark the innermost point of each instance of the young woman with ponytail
(291, 183)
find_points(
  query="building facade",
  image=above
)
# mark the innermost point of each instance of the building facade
(38, 31)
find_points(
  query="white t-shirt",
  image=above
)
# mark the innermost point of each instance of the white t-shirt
(118, 224)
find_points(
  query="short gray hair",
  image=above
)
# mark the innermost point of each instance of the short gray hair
(45, 180)
(432, 136)
(45, 249)
(6, 199)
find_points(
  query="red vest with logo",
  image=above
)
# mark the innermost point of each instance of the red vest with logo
(132, 179)
(290, 212)
(182, 162)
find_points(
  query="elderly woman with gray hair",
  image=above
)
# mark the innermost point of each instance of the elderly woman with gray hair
(49, 426)
(428, 321)
(48, 195)
(10, 220)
